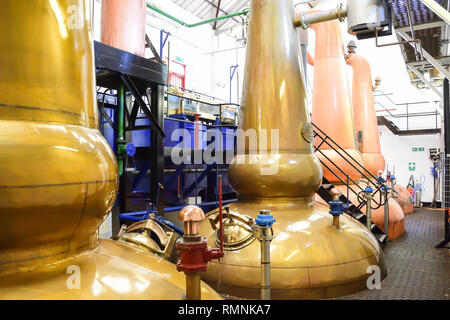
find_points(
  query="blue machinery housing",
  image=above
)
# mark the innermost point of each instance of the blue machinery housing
(145, 136)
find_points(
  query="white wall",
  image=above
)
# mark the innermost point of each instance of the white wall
(397, 151)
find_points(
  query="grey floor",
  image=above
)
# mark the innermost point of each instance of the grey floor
(416, 269)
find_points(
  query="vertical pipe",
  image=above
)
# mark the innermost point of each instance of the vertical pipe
(336, 222)
(196, 147)
(220, 213)
(369, 213)
(386, 216)
(265, 271)
(121, 126)
(193, 286)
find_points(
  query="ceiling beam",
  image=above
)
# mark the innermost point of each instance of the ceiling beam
(427, 56)
(422, 26)
(217, 13)
(221, 10)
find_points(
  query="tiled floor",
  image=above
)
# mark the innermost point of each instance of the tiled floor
(416, 269)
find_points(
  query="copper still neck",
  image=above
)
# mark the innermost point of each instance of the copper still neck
(364, 112)
(332, 109)
(274, 109)
(123, 25)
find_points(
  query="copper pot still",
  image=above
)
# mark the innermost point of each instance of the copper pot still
(369, 141)
(59, 175)
(310, 259)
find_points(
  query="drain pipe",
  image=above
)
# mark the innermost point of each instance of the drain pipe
(262, 230)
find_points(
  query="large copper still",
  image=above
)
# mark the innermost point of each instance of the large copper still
(364, 114)
(404, 199)
(368, 139)
(331, 97)
(59, 176)
(309, 257)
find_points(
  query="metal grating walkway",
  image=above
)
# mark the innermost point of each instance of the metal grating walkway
(416, 269)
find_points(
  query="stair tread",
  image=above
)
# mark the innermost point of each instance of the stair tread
(352, 210)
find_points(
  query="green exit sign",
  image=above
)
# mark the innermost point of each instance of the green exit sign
(414, 149)
(421, 149)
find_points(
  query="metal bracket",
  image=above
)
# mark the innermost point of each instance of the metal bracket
(164, 35)
(149, 44)
(131, 87)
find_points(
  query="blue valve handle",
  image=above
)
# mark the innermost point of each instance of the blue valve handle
(368, 189)
(131, 150)
(265, 220)
(336, 208)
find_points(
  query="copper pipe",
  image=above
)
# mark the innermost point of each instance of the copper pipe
(305, 20)
(193, 286)
(336, 222)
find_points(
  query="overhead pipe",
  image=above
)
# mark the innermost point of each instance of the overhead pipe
(167, 15)
(304, 20)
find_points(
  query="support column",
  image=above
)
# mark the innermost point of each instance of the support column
(446, 195)
(157, 149)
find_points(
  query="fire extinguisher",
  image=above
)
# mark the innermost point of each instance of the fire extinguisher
(410, 185)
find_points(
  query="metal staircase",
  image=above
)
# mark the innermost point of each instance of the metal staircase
(355, 211)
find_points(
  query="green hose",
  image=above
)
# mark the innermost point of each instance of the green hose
(246, 11)
(121, 148)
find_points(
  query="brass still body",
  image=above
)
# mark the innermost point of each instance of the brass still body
(309, 257)
(59, 176)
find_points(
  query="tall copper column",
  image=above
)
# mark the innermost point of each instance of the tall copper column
(59, 176)
(332, 109)
(367, 128)
(309, 257)
(123, 25)
(365, 115)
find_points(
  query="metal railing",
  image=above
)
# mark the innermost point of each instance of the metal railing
(371, 180)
